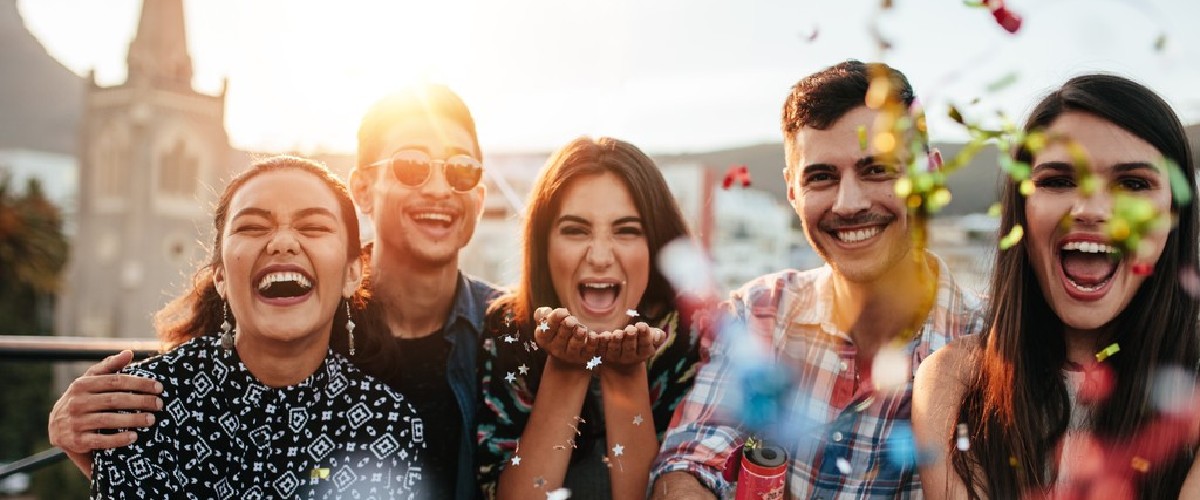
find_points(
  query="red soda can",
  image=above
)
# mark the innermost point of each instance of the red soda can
(764, 474)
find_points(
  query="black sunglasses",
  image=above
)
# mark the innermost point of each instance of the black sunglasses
(413, 168)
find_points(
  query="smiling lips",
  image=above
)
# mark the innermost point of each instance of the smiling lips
(599, 298)
(284, 287)
(1087, 267)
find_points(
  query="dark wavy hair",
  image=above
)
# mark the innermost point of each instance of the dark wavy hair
(200, 310)
(1017, 404)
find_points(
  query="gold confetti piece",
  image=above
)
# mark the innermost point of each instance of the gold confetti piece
(1140, 464)
(885, 142)
(1003, 83)
(319, 473)
(1012, 238)
(1012, 461)
(862, 137)
(1107, 352)
(903, 186)
(994, 210)
(1027, 187)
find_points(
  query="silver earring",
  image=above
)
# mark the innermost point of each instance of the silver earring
(228, 333)
(349, 328)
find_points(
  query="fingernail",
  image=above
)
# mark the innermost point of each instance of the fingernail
(158, 387)
(132, 437)
(149, 419)
(158, 403)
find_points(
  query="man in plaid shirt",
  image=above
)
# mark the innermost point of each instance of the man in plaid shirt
(846, 337)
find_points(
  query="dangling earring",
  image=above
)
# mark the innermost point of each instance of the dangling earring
(228, 333)
(349, 327)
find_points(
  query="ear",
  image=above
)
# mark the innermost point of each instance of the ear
(791, 189)
(354, 276)
(480, 194)
(361, 183)
(935, 160)
(218, 278)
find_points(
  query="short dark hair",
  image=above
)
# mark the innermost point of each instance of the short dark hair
(420, 102)
(821, 99)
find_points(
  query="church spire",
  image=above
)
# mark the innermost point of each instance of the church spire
(158, 55)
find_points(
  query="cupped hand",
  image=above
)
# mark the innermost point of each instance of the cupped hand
(633, 344)
(563, 337)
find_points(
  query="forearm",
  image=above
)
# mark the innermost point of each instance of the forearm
(629, 426)
(675, 485)
(548, 438)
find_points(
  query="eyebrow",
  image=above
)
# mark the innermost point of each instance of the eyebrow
(629, 219)
(1056, 166)
(448, 150)
(303, 212)
(1062, 166)
(818, 167)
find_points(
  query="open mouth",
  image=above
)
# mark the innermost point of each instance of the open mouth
(432, 219)
(284, 285)
(1088, 266)
(599, 297)
(856, 235)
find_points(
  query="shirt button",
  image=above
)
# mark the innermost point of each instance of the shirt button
(837, 436)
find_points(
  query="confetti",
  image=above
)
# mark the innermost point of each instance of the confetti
(632, 313)
(1140, 464)
(559, 494)
(1142, 268)
(1173, 390)
(862, 137)
(812, 35)
(1007, 19)
(508, 339)
(1012, 238)
(1003, 83)
(962, 440)
(511, 377)
(737, 174)
(843, 466)
(1107, 352)
(637, 420)
(544, 325)
(319, 473)
(1160, 42)
(523, 369)
(890, 370)
(618, 450)
(595, 361)
(516, 460)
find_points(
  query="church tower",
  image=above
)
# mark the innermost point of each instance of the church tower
(153, 154)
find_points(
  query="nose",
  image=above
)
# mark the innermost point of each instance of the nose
(1094, 209)
(600, 253)
(851, 199)
(283, 241)
(437, 186)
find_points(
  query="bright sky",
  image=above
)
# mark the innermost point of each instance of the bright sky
(668, 75)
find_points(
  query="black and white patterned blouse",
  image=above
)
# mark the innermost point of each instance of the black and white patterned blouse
(223, 434)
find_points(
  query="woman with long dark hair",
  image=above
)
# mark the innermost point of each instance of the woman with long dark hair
(588, 357)
(1089, 316)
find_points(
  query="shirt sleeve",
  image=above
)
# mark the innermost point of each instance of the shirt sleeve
(701, 438)
(506, 399)
(148, 468)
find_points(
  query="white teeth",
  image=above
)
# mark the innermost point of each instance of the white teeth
(433, 216)
(1087, 289)
(859, 235)
(600, 286)
(281, 276)
(1089, 247)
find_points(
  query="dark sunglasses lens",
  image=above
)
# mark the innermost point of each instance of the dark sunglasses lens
(410, 171)
(463, 173)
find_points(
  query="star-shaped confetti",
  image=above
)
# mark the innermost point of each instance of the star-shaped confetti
(544, 326)
(618, 450)
(508, 339)
(593, 362)
(523, 369)
(632, 313)
(511, 377)
(559, 494)
(637, 419)
(516, 460)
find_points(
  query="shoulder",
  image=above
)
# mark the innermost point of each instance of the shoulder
(481, 290)
(768, 289)
(191, 357)
(943, 376)
(965, 309)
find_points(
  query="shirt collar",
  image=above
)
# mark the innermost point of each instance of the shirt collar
(467, 307)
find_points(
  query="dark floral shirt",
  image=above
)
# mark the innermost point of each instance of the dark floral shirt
(223, 434)
(511, 363)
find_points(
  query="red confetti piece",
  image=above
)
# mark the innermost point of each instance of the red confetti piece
(737, 174)
(1143, 268)
(1007, 19)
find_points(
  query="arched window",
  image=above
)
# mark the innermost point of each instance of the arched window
(110, 167)
(178, 169)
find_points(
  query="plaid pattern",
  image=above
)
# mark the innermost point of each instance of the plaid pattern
(846, 439)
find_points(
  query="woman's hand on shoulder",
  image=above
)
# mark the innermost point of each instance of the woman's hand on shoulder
(563, 337)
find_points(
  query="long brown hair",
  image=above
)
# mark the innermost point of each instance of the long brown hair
(661, 219)
(1017, 403)
(200, 310)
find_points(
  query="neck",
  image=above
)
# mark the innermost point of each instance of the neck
(1082, 345)
(876, 312)
(280, 364)
(415, 297)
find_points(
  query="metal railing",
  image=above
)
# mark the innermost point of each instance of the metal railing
(54, 348)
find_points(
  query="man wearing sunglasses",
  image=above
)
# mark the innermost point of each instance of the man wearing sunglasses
(417, 178)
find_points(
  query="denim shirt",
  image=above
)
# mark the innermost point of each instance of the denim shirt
(463, 329)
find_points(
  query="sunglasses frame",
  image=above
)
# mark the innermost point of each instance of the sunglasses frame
(389, 163)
